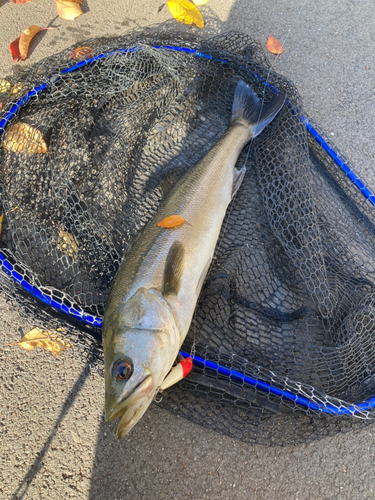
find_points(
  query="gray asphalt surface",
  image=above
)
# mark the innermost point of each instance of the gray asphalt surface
(54, 442)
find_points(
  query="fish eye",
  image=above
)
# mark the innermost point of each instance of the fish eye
(122, 369)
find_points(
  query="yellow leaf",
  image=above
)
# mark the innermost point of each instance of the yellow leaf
(274, 46)
(4, 86)
(172, 221)
(23, 138)
(46, 340)
(69, 9)
(185, 12)
(17, 89)
(199, 3)
(1, 222)
(67, 244)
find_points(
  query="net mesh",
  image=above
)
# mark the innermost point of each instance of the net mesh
(283, 331)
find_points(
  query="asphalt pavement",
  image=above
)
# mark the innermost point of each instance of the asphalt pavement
(54, 441)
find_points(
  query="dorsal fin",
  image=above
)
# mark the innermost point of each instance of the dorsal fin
(174, 266)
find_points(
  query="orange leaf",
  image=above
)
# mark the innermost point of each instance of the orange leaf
(47, 340)
(274, 46)
(69, 9)
(82, 53)
(185, 12)
(20, 1)
(172, 221)
(20, 46)
(23, 138)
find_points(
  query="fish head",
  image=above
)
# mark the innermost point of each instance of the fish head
(141, 342)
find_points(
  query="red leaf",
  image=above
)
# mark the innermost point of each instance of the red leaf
(20, 46)
(20, 1)
(82, 53)
(274, 46)
(15, 49)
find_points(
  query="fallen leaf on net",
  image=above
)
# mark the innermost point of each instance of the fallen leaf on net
(82, 53)
(185, 12)
(4, 86)
(46, 340)
(17, 89)
(67, 244)
(69, 9)
(197, 3)
(20, 46)
(172, 221)
(274, 46)
(23, 138)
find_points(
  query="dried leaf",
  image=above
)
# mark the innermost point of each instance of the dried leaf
(185, 12)
(274, 45)
(199, 3)
(161, 7)
(172, 221)
(23, 138)
(19, 48)
(69, 9)
(17, 89)
(67, 244)
(4, 86)
(82, 53)
(2, 104)
(46, 340)
(1, 222)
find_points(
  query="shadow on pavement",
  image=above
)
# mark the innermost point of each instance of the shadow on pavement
(38, 462)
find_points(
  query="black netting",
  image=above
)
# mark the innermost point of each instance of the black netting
(282, 334)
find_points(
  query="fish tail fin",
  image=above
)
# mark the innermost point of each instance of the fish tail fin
(248, 108)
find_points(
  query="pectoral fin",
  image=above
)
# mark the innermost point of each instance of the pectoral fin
(237, 180)
(173, 270)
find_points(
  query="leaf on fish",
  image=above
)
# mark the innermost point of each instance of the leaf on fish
(23, 138)
(199, 3)
(172, 221)
(67, 244)
(69, 9)
(44, 339)
(274, 46)
(4, 86)
(19, 48)
(185, 12)
(82, 53)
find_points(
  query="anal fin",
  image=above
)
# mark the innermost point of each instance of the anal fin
(174, 267)
(237, 180)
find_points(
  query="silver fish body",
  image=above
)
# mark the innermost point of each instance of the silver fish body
(155, 291)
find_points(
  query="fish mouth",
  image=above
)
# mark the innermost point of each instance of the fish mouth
(131, 408)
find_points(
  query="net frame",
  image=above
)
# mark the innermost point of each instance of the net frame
(284, 394)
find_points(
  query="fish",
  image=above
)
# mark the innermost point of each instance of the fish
(154, 293)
